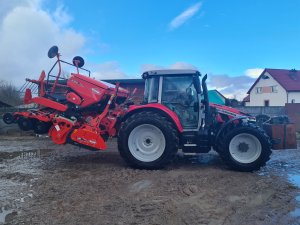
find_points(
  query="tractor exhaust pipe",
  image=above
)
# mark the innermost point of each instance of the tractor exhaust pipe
(205, 101)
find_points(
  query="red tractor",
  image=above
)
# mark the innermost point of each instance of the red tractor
(175, 114)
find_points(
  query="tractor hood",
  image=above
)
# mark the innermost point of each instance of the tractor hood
(229, 111)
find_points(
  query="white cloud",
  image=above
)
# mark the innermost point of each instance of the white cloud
(183, 66)
(185, 16)
(61, 17)
(148, 67)
(107, 70)
(176, 65)
(230, 87)
(8, 5)
(254, 73)
(27, 32)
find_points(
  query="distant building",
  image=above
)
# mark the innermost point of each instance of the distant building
(275, 87)
(246, 100)
(130, 84)
(216, 97)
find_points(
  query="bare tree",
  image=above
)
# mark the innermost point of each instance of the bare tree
(9, 94)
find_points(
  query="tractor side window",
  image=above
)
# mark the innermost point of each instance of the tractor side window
(151, 90)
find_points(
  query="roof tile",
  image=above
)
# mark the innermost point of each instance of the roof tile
(285, 79)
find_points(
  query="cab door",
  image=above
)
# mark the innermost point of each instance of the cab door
(179, 94)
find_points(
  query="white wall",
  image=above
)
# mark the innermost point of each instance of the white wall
(275, 99)
(294, 95)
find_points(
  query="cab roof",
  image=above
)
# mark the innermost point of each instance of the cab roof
(170, 72)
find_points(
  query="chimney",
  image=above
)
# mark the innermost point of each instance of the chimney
(293, 74)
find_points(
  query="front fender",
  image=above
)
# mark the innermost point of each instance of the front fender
(227, 124)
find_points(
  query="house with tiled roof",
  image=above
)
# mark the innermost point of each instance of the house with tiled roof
(275, 87)
(246, 100)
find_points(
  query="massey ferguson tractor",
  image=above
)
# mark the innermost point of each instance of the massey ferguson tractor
(175, 115)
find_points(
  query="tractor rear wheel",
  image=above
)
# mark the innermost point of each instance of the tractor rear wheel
(147, 140)
(245, 148)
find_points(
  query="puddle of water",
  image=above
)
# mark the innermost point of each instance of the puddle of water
(140, 185)
(200, 159)
(4, 213)
(295, 179)
(295, 213)
(208, 159)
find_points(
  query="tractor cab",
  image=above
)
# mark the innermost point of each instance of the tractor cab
(180, 91)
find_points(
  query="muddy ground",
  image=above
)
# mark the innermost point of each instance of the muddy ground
(41, 183)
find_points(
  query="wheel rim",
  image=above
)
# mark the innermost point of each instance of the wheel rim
(245, 148)
(146, 143)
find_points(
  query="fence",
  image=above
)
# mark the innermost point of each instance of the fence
(257, 110)
(293, 111)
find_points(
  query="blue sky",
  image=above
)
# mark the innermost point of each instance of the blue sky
(232, 41)
(222, 37)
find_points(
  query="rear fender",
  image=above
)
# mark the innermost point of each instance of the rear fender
(155, 107)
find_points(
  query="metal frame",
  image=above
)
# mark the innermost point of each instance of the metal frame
(57, 61)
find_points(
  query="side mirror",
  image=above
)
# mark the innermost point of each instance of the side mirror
(53, 51)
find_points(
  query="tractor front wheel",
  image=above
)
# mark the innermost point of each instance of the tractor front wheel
(245, 148)
(147, 140)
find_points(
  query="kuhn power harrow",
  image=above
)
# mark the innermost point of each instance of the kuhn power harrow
(78, 110)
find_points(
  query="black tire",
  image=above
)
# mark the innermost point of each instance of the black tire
(8, 118)
(250, 130)
(168, 130)
(25, 124)
(40, 127)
